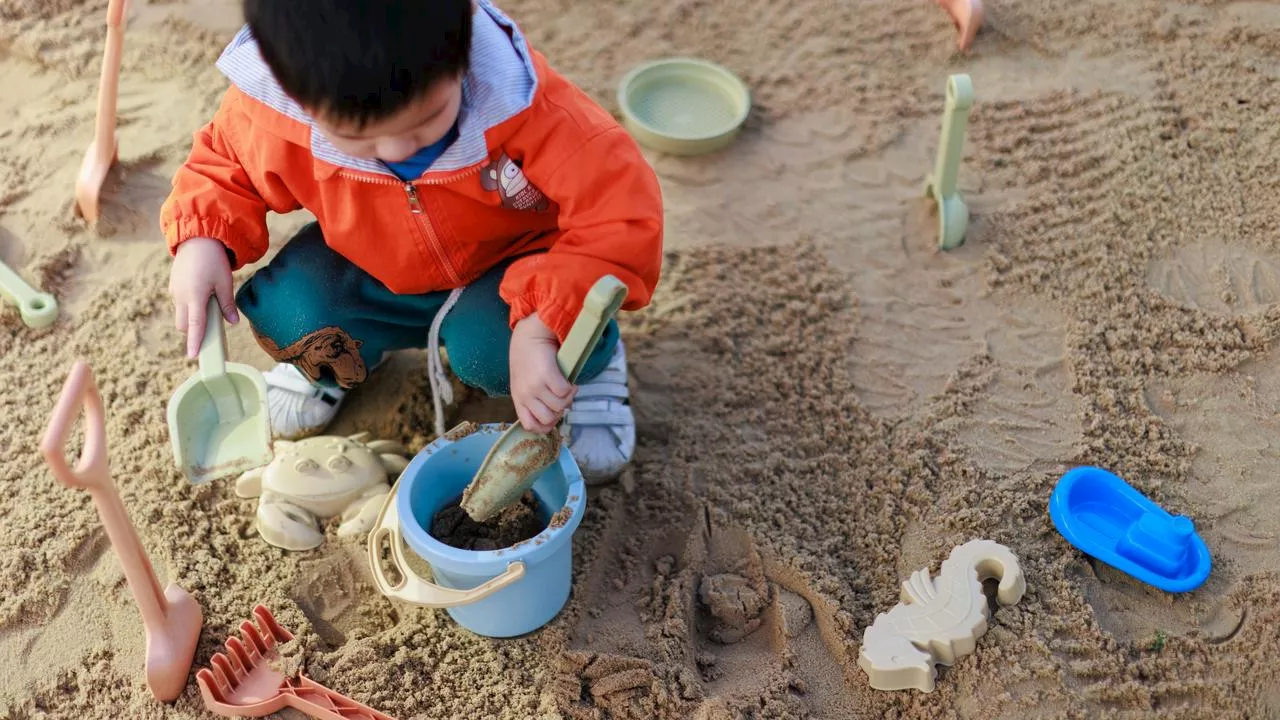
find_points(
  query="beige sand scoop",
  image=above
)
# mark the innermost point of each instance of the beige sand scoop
(515, 460)
(939, 619)
(101, 154)
(218, 419)
(171, 618)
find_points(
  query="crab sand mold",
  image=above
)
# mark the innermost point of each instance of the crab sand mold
(311, 480)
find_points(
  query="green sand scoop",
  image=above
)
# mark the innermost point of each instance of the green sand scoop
(515, 460)
(953, 213)
(218, 419)
(38, 309)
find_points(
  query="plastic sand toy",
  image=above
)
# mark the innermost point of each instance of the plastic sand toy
(218, 419)
(170, 618)
(683, 106)
(939, 619)
(953, 213)
(38, 309)
(519, 455)
(102, 152)
(317, 478)
(1105, 517)
(247, 680)
(497, 593)
(967, 16)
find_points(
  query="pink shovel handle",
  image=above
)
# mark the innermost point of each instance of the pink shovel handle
(115, 13)
(109, 84)
(92, 472)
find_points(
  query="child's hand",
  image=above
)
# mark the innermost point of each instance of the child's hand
(200, 269)
(538, 388)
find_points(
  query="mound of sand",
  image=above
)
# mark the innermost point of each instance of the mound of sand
(826, 403)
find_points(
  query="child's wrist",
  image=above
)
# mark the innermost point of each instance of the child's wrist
(533, 325)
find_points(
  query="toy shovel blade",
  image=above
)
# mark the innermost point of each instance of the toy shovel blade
(101, 154)
(516, 459)
(218, 420)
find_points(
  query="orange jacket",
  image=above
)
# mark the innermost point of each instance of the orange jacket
(537, 166)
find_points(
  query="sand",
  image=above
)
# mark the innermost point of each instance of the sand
(513, 524)
(825, 402)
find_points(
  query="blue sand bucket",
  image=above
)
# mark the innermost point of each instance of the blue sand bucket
(497, 593)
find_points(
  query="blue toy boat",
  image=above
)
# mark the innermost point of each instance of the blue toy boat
(1105, 517)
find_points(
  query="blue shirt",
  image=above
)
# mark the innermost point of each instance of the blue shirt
(412, 167)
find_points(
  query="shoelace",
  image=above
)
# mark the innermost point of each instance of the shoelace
(441, 389)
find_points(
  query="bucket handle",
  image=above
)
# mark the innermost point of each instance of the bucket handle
(413, 589)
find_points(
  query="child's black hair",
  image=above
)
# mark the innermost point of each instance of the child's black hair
(361, 61)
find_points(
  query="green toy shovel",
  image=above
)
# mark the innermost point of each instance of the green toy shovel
(953, 213)
(38, 309)
(515, 460)
(218, 419)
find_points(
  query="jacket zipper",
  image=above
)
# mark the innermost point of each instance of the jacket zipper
(424, 220)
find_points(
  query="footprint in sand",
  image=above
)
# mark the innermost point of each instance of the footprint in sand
(1233, 418)
(335, 593)
(1217, 278)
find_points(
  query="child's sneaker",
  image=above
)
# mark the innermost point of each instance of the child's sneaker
(299, 407)
(601, 426)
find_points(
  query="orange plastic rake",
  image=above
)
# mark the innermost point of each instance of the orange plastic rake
(246, 681)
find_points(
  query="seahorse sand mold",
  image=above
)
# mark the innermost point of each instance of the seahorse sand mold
(940, 618)
(1107, 164)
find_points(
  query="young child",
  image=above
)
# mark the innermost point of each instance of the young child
(466, 195)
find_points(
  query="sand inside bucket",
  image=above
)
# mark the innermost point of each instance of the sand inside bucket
(514, 524)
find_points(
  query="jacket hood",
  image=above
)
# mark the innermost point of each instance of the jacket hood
(500, 83)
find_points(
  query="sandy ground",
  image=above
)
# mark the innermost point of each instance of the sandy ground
(825, 402)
